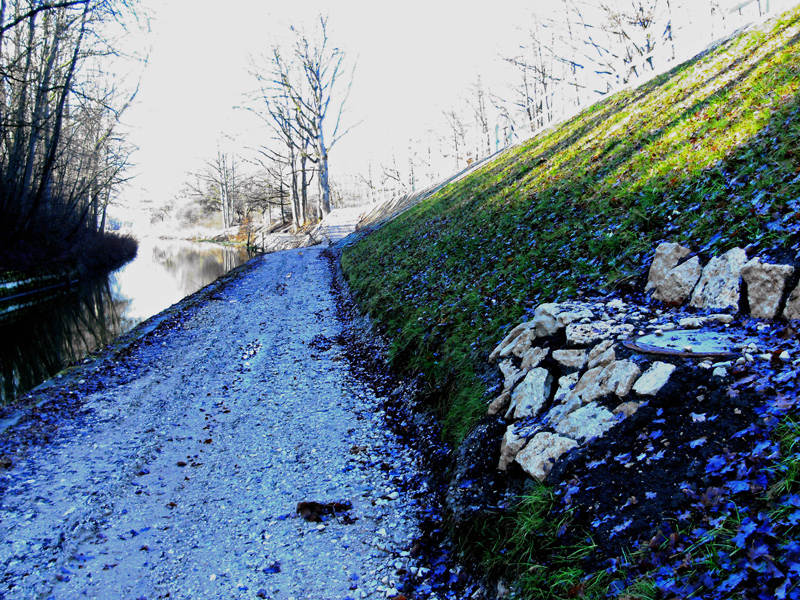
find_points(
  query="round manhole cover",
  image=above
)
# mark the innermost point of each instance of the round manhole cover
(691, 343)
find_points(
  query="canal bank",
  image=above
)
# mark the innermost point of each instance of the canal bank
(56, 321)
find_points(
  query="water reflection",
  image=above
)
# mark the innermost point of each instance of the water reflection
(37, 342)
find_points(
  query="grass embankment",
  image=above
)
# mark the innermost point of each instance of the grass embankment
(706, 155)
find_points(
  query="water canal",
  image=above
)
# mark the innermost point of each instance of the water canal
(38, 341)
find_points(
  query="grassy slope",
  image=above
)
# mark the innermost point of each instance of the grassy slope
(706, 154)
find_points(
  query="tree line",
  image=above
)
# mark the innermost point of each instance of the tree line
(567, 57)
(62, 155)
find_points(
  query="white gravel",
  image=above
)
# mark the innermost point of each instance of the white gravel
(257, 424)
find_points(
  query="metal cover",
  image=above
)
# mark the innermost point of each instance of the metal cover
(692, 343)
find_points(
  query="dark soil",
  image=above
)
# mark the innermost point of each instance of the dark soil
(417, 427)
(640, 486)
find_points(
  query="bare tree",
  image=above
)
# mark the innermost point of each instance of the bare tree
(456, 134)
(320, 67)
(477, 103)
(61, 153)
(217, 186)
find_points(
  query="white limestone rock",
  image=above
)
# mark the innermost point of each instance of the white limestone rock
(565, 385)
(668, 255)
(670, 282)
(653, 379)
(691, 322)
(512, 443)
(792, 310)
(587, 422)
(719, 285)
(627, 409)
(533, 358)
(499, 403)
(721, 318)
(511, 374)
(551, 317)
(510, 337)
(522, 343)
(765, 286)
(560, 411)
(679, 282)
(541, 452)
(530, 395)
(584, 334)
(602, 355)
(615, 378)
(571, 359)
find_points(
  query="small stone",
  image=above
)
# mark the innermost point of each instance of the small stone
(559, 412)
(656, 377)
(572, 359)
(616, 378)
(580, 334)
(511, 374)
(719, 285)
(602, 355)
(765, 286)
(510, 446)
(719, 372)
(721, 318)
(691, 322)
(499, 403)
(541, 453)
(565, 385)
(627, 409)
(551, 317)
(533, 358)
(587, 422)
(530, 395)
(792, 310)
(599, 349)
(522, 344)
(512, 336)
(785, 355)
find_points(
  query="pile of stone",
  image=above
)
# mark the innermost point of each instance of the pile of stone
(567, 376)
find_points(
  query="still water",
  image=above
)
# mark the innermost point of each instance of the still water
(37, 342)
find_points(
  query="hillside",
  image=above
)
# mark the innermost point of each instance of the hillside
(706, 155)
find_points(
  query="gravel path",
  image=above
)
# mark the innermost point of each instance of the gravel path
(182, 479)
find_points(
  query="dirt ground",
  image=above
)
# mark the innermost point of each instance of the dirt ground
(173, 466)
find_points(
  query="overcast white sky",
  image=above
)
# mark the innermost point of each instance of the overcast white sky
(414, 59)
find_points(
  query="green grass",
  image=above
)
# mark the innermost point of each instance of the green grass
(525, 545)
(709, 148)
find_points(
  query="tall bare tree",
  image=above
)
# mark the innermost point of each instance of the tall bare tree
(61, 151)
(305, 90)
